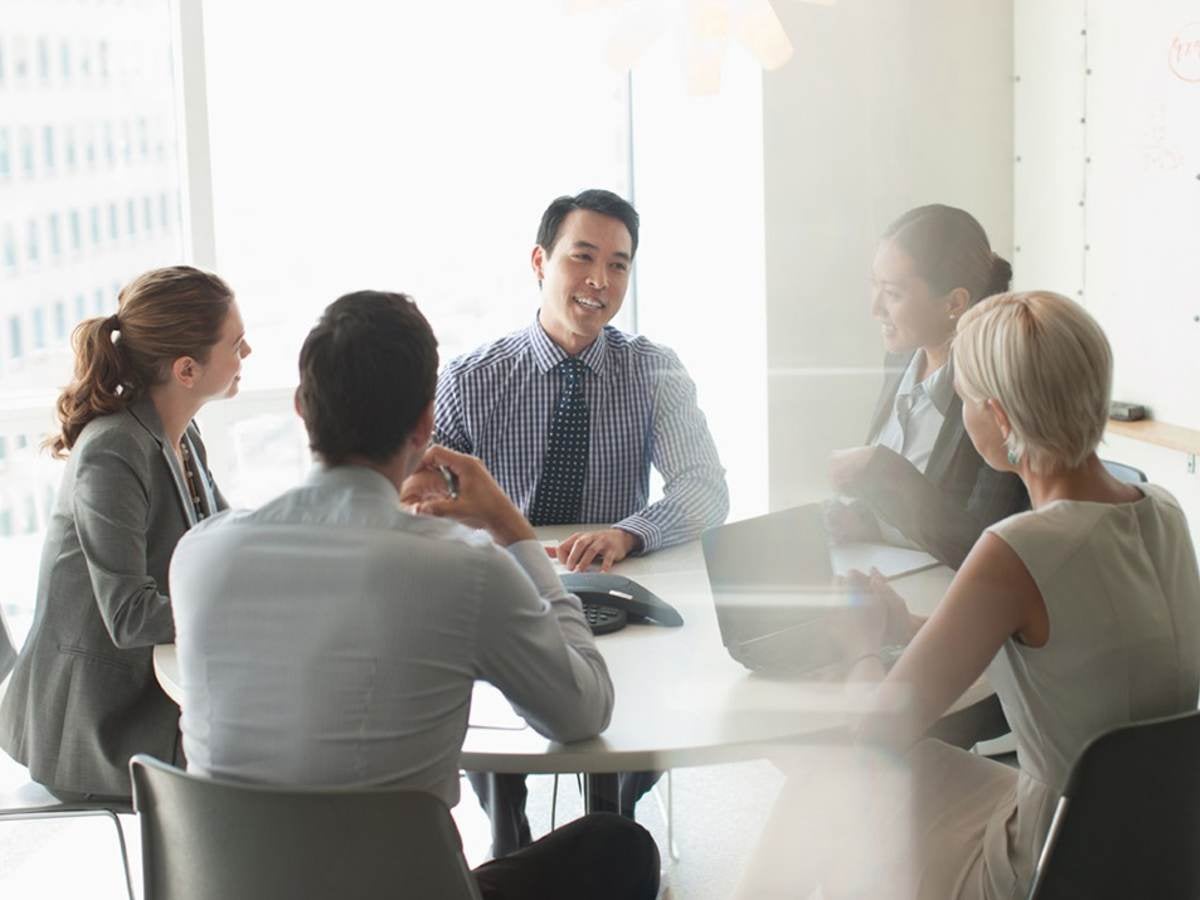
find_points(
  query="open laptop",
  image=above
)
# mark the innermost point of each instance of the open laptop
(772, 580)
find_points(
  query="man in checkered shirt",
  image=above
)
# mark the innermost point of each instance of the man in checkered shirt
(498, 403)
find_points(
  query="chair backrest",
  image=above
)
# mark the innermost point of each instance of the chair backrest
(211, 839)
(1128, 824)
(1122, 472)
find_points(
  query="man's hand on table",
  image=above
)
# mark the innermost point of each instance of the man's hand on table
(480, 502)
(607, 546)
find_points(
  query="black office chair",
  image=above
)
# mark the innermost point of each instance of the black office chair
(1128, 822)
(212, 839)
(1122, 472)
(29, 801)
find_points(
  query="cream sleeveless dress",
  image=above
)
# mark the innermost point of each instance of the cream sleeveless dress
(1121, 588)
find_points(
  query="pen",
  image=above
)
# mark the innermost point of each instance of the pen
(451, 481)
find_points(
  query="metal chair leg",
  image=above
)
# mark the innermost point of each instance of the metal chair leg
(124, 851)
(668, 811)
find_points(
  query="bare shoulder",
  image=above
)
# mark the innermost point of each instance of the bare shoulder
(994, 574)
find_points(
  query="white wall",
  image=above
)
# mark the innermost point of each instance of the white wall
(887, 104)
(1107, 124)
(698, 186)
(1049, 154)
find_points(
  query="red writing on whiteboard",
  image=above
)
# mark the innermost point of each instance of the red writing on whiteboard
(1183, 55)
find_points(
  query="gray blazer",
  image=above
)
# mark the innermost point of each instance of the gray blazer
(83, 696)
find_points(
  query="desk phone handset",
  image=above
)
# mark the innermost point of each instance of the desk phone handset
(612, 601)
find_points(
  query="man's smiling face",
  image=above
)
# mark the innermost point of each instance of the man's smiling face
(583, 277)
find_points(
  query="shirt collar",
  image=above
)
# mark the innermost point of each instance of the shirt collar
(939, 386)
(352, 477)
(547, 354)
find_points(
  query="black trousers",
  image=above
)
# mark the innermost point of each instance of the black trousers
(599, 856)
(503, 796)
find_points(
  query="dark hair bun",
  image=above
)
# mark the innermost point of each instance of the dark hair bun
(1001, 277)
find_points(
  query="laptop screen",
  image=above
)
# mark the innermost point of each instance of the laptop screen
(770, 573)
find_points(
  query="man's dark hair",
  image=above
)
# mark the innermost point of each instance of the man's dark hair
(367, 371)
(597, 200)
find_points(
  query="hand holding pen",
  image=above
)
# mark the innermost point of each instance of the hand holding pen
(450, 479)
(457, 486)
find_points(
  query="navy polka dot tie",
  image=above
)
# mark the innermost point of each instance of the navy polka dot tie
(559, 497)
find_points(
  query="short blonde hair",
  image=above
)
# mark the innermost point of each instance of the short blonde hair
(1048, 364)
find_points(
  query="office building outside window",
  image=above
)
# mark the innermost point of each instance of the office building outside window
(48, 145)
(16, 348)
(55, 266)
(39, 329)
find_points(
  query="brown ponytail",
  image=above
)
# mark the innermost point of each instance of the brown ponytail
(950, 250)
(162, 315)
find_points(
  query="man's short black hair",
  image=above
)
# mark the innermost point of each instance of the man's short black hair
(367, 371)
(597, 200)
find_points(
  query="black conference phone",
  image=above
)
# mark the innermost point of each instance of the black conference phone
(610, 602)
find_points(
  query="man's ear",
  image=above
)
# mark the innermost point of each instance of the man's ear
(537, 260)
(185, 370)
(422, 432)
(296, 405)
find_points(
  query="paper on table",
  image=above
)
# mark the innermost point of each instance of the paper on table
(490, 709)
(891, 561)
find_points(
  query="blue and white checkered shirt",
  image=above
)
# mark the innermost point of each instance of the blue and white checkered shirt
(497, 402)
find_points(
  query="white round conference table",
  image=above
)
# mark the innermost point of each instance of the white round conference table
(681, 700)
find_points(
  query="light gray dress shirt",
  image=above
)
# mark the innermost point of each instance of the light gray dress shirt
(331, 638)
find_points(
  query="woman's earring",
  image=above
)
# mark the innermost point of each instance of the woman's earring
(1013, 457)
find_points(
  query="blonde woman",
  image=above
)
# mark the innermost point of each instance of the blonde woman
(83, 697)
(1084, 612)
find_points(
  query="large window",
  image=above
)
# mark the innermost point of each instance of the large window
(407, 147)
(42, 286)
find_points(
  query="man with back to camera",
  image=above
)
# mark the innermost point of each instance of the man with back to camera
(332, 638)
(568, 414)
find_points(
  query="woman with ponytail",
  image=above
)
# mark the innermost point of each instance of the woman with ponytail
(83, 697)
(918, 481)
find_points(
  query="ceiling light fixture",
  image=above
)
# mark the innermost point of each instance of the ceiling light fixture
(703, 30)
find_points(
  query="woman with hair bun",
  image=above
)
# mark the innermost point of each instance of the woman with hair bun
(918, 481)
(83, 697)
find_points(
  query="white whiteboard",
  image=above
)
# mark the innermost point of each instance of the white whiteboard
(1125, 115)
(1143, 200)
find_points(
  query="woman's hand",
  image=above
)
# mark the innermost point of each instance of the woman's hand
(847, 466)
(873, 590)
(846, 523)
